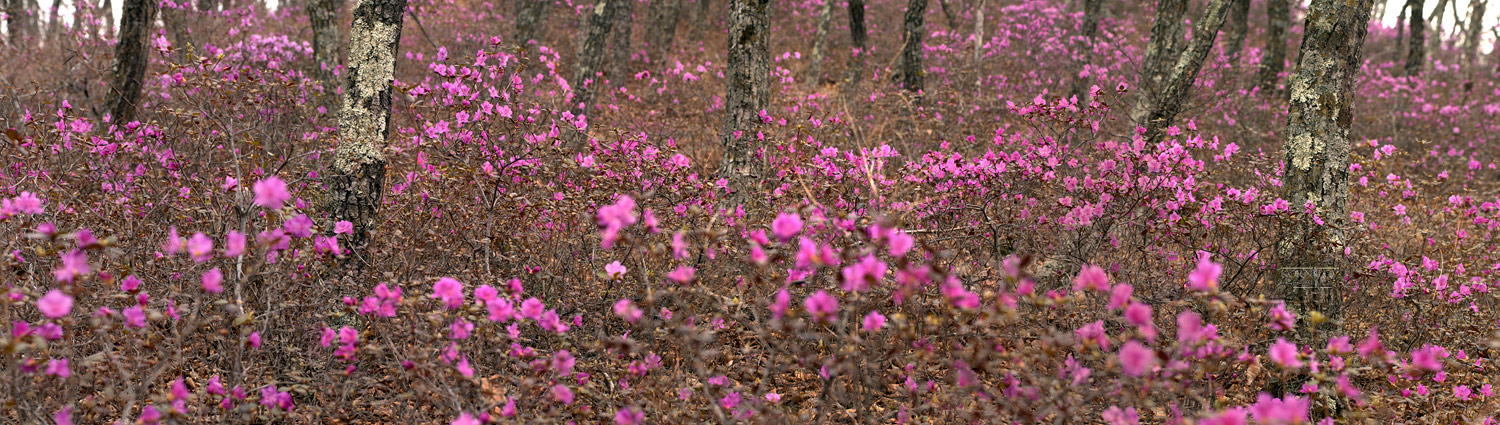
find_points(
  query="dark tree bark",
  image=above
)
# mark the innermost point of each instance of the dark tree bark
(324, 17)
(1279, 19)
(909, 76)
(1416, 55)
(591, 55)
(16, 23)
(130, 60)
(1316, 151)
(746, 90)
(705, 12)
(207, 5)
(820, 44)
(358, 171)
(176, 25)
(858, 40)
(1175, 93)
(1166, 34)
(1401, 30)
(1239, 28)
(948, 13)
(1089, 32)
(620, 52)
(52, 28)
(1434, 40)
(531, 16)
(1472, 38)
(663, 28)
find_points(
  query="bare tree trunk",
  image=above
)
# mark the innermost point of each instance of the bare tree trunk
(109, 17)
(858, 40)
(1166, 33)
(820, 44)
(1279, 20)
(948, 13)
(620, 52)
(1239, 28)
(705, 12)
(910, 74)
(1435, 39)
(34, 20)
(1401, 30)
(530, 17)
(171, 17)
(323, 16)
(979, 31)
(358, 171)
(15, 21)
(591, 55)
(746, 90)
(663, 28)
(207, 5)
(1472, 39)
(130, 60)
(1175, 93)
(1317, 152)
(1416, 56)
(1089, 30)
(52, 28)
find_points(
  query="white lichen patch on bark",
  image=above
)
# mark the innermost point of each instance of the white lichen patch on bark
(372, 65)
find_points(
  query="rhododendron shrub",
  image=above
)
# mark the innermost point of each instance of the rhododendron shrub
(997, 254)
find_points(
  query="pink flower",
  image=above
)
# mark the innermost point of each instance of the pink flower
(465, 419)
(773, 398)
(1091, 277)
(450, 291)
(234, 244)
(901, 243)
(630, 415)
(781, 303)
(786, 226)
(1136, 360)
(254, 339)
(1462, 392)
(63, 416)
(874, 321)
(1427, 358)
(343, 227)
(74, 264)
(1286, 411)
(1120, 296)
(821, 306)
(1138, 314)
(1281, 319)
(858, 276)
(1285, 354)
(271, 192)
(59, 367)
(627, 310)
(1093, 332)
(135, 317)
(1114, 416)
(532, 308)
(615, 270)
(200, 248)
(1206, 276)
(614, 218)
(683, 274)
(1235, 416)
(562, 394)
(173, 245)
(55, 304)
(213, 281)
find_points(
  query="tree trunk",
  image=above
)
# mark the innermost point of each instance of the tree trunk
(109, 17)
(1434, 39)
(130, 60)
(820, 44)
(1416, 56)
(182, 44)
(358, 172)
(663, 28)
(324, 17)
(979, 31)
(531, 15)
(1472, 39)
(704, 13)
(746, 90)
(858, 40)
(948, 13)
(1239, 28)
(1175, 93)
(207, 5)
(1089, 32)
(52, 28)
(1317, 152)
(1166, 34)
(591, 55)
(620, 52)
(910, 75)
(1279, 20)
(15, 21)
(1401, 30)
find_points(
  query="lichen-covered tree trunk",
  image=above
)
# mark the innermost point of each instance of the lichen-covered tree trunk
(1472, 38)
(1166, 33)
(531, 16)
(1164, 110)
(746, 90)
(1316, 151)
(129, 75)
(663, 28)
(858, 41)
(1088, 32)
(358, 172)
(620, 49)
(1278, 21)
(1416, 54)
(820, 44)
(1239, 28)
(591, 55)
(323, 16)
(910, 74)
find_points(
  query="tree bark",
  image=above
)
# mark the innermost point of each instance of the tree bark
(1279, 20)
(858, 40)
(109, 16)
(358, 172)
(531, 15)
(1401, 31)
(910, 75)
(130, 60)
(1239, 28)
(52, 28)
(182, 44)
(324, 17)
(1434, 40)
(16, 23)
(746, 90)
(1472, 39)
(207, 5)
(1166, 34)
(620, 52)
(979, 31)
(663, 29)
(1089, 32)
(820, 44)
(1164, 110)
(591, 55)
(1316, 151)
(1416, 55)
